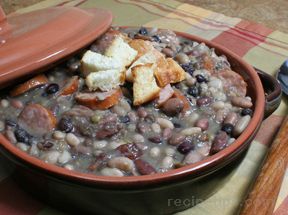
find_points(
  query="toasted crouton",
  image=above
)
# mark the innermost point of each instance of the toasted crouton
(121, 51)
(93, 62)
(144, 87)
(105, 80)
(168, 71)
(141, 46)
(177, 70)
(149, 57)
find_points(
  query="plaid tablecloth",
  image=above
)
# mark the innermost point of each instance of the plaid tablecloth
(262, 47)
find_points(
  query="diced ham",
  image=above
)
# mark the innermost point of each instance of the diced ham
(233, 83)
(165, 94)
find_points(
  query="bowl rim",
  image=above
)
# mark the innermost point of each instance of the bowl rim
(171, 175)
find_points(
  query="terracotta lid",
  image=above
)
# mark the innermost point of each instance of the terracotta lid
(34, 40)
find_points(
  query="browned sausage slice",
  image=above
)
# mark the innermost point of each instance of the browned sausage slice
(99, 100)
(36, 119)
(28, 85)
(233, 83)
(71, 86)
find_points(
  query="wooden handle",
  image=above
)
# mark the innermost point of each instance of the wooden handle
(263, 196)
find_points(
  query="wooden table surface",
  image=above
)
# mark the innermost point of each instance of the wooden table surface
(271, 13)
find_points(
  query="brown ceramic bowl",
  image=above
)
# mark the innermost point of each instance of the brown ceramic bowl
(161, 193)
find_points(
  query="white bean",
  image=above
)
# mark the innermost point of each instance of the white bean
(121, 163)
(218, 105)
(24, 147)
(241, 125)
(190, 131)
(114, 144)
(72, 139)
(120, 111)
(191, 120)
(69, 167)
(190, 81)
(170, 151)
(192, 157)
(167, 162)
(155, 152)
(100, 144)
(4, 103)
(51, 157)
(125, 105)
(138, 138)
(2, 125)
(64, 157)
(215, 83)
(231, 140)
(11, 136)
(165, 123)
(34, 151)
(156, 127)
(241, 102)
(59, 135)
(111, 172)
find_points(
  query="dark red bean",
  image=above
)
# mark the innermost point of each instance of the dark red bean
(219, 142)
(130, 150)
(143, 127)
(176, 139)
(172, 106)
(186, 146)
(45, 145)
(144, 168)
(156, 139)
(204, 101)
(141, 112)
(108, 129)
(203, 124)
(99, 161)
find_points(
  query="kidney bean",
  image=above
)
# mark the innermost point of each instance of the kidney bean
(176, 139)
(220, 115)
(204, 101)
(219, 142)
(156, 139)
(168, 52)
(111, 172)
(46, 145)
(107, 130)
(192, 157)
(241, 125)
(17, 104)
(186, 146)
(231, 118)
(130, 150)
(121, 163)
(141, 112)
(144, 168)
(241, 102)
(166, 134)
(203, 124)
(143, 127)
(172, 106)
